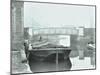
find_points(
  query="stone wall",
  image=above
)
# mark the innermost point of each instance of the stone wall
(17, 24)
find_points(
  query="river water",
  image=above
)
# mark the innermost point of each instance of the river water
(49, 64)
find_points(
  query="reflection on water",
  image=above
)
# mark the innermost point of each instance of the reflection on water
(49, 64)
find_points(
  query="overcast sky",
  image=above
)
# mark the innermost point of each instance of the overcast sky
(56, 15)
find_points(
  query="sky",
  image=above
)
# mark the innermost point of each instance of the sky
(58, 15)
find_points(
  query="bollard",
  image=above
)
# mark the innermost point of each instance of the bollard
(93, 59)
(81, 54)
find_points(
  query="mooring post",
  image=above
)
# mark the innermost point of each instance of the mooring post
(57, 65)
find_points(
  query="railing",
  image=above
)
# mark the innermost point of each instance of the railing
(55, 31)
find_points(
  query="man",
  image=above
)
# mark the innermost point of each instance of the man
(26, 46)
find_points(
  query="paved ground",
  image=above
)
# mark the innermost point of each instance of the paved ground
(17, 65)
(81, 64)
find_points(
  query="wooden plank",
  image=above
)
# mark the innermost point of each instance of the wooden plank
(40, 49)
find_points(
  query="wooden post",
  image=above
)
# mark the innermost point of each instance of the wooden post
(57, 66)
(81, 43)
(81, 54)
(93, 57)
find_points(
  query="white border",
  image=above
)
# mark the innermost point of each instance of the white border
(5, 37)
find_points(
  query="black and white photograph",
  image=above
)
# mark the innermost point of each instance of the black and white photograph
(52, 37)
